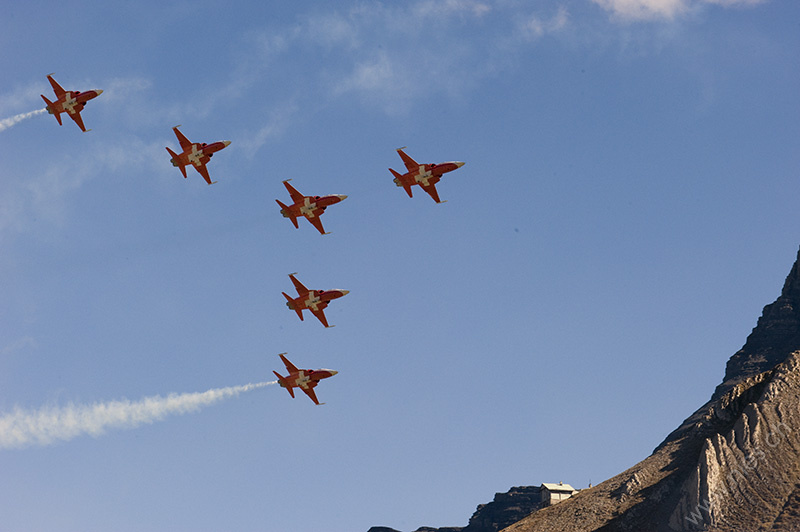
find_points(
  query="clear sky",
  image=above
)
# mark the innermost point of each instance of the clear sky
(627, 207)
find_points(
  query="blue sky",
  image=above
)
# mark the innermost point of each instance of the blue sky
(627, 208)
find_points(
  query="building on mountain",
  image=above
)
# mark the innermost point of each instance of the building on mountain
(555, 493)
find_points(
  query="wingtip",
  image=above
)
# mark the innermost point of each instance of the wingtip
(293, 273)
(403, 148)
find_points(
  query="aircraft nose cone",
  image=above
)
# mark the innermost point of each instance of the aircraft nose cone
(333, 372)
(459, 164)
(228, 143)
(344, 292)
(99, 91)
(342, 197)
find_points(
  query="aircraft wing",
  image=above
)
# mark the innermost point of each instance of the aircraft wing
(56, 87)
(291, 368)
(310, 392)
(204, 172)
(186, 144)
(76, 116)
(411, 164)
(296, 196)
(301, 290)
(320, 314)
(316, 222)
(431, 190)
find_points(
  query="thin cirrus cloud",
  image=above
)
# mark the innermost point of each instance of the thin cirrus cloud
(535, 27)
(390, 50)
(652, 10)
(374, 53)
(42, 194)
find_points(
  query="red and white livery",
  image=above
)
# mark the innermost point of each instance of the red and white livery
(70, 102)
(311, 207)
(305, 379)
(313, 300)
(195, 154)
(424, 175)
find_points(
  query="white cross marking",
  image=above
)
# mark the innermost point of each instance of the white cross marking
(196, 155)
(308, 208)
(302, 379)
(313, 301)
(69, 103)
(423, 177)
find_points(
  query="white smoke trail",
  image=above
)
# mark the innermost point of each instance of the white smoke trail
(47, 425)
(6, 123)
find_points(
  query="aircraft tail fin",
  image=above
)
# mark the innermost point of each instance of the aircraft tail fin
(398, 180)
(50, 109)
(175, 162)
(283, 383)
(287, 213)
(290, 304)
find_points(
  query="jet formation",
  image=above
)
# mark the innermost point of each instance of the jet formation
(305, 379)
(195, 154)
(311, 207)
(70, 102)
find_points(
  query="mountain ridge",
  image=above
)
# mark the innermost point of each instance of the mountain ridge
(733, 465)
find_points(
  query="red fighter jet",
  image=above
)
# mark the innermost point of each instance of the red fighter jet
(70, 102)
(305, 379)
(195, 154)
(424, 175)
(313, 300)
(309, 206)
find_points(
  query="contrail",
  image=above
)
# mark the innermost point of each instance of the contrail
(8, 122)
(47, 425)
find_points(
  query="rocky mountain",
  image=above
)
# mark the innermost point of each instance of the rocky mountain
(732, 466)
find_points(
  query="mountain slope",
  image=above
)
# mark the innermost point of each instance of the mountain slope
(732, 465)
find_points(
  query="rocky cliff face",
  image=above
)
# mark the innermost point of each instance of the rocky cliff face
(734, 465)
(776, 335)
(506, 508)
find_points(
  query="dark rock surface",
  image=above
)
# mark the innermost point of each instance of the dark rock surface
(505, 509)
